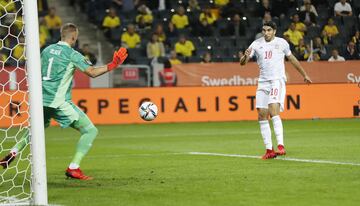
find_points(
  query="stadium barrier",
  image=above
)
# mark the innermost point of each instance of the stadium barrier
(232, 74)
(131, 76)
(17, 77)
(198, 104)
(213, 74)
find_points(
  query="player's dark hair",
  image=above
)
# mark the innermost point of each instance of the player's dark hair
(270, 24)
(167, 63)
(67, 29)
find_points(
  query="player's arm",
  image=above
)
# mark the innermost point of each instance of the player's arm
(337, 13)
(118, 58)
(299, 68)
(96, 71)
(244, 59)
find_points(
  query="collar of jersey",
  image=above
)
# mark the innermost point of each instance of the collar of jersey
(64, 43)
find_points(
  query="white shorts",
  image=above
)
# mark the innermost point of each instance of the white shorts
(269, 92)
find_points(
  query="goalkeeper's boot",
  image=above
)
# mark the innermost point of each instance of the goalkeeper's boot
(76, 174)
(270, 154)
(281, 150)
(7, 160)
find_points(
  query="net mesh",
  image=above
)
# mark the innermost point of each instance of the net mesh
(15, 180)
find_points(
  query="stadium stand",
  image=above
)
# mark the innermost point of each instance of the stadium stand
(221, 29)
(219, 36)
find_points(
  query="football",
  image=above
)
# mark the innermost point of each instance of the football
(148, 111)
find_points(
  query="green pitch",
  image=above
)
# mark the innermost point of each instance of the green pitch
(151, 165)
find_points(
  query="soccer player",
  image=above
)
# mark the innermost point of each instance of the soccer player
(270, 94)
(58, 64)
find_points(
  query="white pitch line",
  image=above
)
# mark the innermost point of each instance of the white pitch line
(13, 201)
(213, 154)
(284, 159)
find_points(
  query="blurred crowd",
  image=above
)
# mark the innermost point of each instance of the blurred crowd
(220, 30)
(197, 30)
(12, 39)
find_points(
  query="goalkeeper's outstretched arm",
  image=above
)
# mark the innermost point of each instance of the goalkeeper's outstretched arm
(118, 58)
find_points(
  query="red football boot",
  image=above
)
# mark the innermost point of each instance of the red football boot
(5, 162)
(77, 174)
(270, 154)
(281, 150)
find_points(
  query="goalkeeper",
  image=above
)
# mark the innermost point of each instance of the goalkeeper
(58, 64)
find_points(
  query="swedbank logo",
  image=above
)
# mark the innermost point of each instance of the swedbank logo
(235, 80)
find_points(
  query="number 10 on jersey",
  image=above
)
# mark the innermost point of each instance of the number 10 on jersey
(268, 54)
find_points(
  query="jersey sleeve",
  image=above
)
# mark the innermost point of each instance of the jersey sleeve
(80, 61)
(286, 48)
(252, 47)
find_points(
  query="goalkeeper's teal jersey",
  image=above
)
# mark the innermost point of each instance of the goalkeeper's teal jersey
(58, 64)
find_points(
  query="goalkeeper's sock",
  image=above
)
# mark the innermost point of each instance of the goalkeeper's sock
(266, 133)
(14, 151)
(278, 129)
(24, 140)
(73, 166)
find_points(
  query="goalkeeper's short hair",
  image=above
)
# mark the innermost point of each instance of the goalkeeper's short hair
(67, 29)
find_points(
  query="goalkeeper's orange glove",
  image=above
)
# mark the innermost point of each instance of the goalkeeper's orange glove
(118, 58)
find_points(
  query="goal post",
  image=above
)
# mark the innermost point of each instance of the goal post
(23, 179)
(33, 65)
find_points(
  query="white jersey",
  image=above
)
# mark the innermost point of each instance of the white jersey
(339, 7)
(270, 57)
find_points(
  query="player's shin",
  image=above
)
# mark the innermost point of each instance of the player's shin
(278, 129)
(88, 134)
(24, 140)
(83, 146)
(266, 133)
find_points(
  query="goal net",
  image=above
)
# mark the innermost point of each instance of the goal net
(18, 178)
